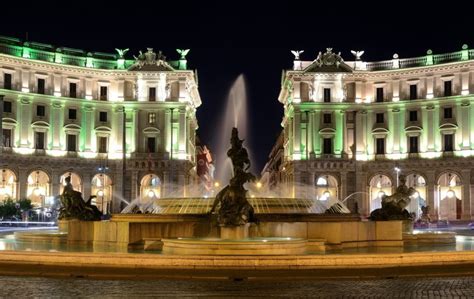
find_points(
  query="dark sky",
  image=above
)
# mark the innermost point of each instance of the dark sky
(228, 38)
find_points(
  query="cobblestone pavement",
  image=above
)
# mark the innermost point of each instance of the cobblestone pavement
(34, 287)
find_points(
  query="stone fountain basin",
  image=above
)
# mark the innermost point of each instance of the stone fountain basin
(248, 246)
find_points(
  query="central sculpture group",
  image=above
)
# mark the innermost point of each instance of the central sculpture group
(233, 208)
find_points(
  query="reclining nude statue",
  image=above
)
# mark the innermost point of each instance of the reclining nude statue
(393, 206)
(74, 207)
(234, 209)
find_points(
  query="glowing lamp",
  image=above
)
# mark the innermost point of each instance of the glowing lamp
(380, 194)
(416, 194)
(37, 191)
(151, 194)
(450, 194)
(326, 194)
(100, 193)
(216, 184)
(259, 185)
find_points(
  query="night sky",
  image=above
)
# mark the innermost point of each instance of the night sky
(228, 38)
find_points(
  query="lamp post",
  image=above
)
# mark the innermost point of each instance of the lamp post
(397, 170)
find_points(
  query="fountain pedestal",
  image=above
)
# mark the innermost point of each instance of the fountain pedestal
(235, 232)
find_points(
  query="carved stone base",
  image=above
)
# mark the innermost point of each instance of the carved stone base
(235, 232)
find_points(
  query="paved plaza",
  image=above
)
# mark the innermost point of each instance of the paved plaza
(442, 287)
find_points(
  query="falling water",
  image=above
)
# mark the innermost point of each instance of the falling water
(235, 116)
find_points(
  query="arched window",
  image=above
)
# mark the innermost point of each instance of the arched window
(76, 182)
(102, 188)
(449, 196)
(7, 184)
(150, 187)
(38, 187)
(418, 199)
(326, 187)
(379, 186)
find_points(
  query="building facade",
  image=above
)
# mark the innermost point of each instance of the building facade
(121, 128)
(352, 127)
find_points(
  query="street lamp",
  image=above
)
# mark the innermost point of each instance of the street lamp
(398, 173)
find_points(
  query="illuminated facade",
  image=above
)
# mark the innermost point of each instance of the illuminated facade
(69, 112)
(349, 125)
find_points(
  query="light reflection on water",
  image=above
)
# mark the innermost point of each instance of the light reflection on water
(464, 242)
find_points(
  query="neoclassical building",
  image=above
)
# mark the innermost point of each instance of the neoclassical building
(121, 128)
(355, 126)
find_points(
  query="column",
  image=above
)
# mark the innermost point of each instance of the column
(338, 142)
(395, 90)
(22, 182)
(117, 127)
(396, 130)
(431, 194)
(315, 130)
(360, 135)
(343, 187)
(56, 126)
(57, 82)
(25, 125)
(135, 185)
(465, 121)
(88, 123)
(120, 85)
(167, 127)
(310, 133)
(25, 80)
(182, 134)
(430, 128)
(466, 194)
(297, 134)
(55, 184)
(296, 91)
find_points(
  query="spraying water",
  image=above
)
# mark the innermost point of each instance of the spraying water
(235, 116)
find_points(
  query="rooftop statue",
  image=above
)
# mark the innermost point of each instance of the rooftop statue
(393, 206)
(121, 52)
(74, 207)
(234, 209)
(297, 54)
(183, 53)
(329, 58)
(157, 61)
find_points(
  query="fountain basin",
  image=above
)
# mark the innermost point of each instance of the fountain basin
(248, 246)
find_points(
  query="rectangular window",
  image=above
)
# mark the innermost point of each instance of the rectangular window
(448, 88)
(448, 112)
(103, 93)
(40, 110)
(413, 140)
(72, 90)
(39, 140)
(380, 146)
(103, 116)
(448, 142)
(102, 145)
(7, 138)
(379, 118)
(152, 94)
(327, 146)
(151, 144)
(327, 118)
(379, 95)
(71, 143)
(327, 95)
(72, 114)
(7, 81)
(41, 86)
(151, 118)
(7, 107)
(413, 116)
(413, 92)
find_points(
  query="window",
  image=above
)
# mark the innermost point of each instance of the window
(72, 90)
(327, 146)
(413, 140)
(71, 142)
(448, 112)
(379, 118)
(72, 114)
(327, 95)
(103, 116)
(7, 107)
(7, 81)
(379, 95)
(327, 118)
(7, 138)
(103, 93)
(380, 146)
(102, 145)
(152, 94)
(448, 142)
(448, 88)
(41, 85)
(151, 144)
(413, 92)
(39, 140)
(413, 116)
(40, 110)
(151, 118)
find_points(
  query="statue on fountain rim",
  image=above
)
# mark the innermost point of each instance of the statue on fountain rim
(234, 208)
